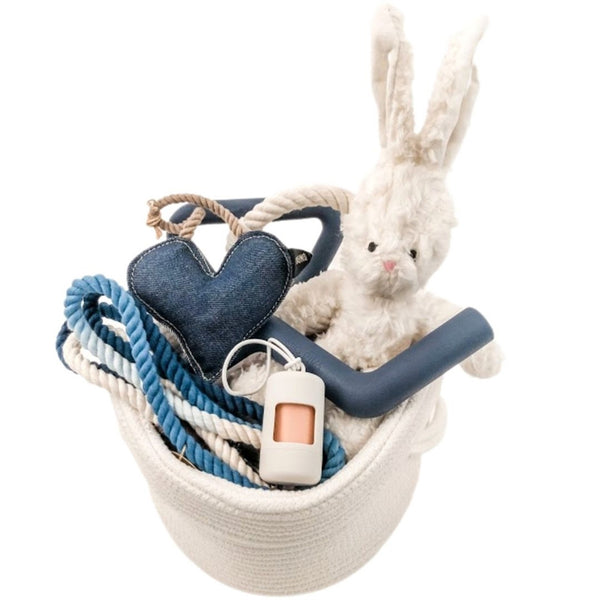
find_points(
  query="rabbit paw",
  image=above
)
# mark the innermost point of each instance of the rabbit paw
(485, 362)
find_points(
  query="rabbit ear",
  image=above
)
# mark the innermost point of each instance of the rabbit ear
(453, 98)
(392, 77)
(466, 108)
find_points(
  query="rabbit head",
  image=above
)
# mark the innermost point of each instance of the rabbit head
(397, 228)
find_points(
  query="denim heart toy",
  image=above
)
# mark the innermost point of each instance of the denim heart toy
(209, 312)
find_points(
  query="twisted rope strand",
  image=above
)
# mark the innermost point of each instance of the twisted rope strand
(92, 373)
(273, 207)
(186, 228)
(172, 427)
(126, 392)
(231, 456)
(138, 365)
(204, 420)
(168, 363)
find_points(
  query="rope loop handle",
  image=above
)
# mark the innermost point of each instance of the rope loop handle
(186, 228)
(274, 207)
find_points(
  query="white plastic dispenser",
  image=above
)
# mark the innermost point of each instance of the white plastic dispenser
(292, 434)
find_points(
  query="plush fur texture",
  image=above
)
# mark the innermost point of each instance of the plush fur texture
(397, 229)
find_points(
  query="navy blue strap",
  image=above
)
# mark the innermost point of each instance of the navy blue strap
(374, 393)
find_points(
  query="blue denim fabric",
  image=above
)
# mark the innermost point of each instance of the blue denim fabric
(325, 247)
(211, 312)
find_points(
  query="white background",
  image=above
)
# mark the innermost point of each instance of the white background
(105, 105)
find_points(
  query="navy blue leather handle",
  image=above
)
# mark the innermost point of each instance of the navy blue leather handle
(324, 249)
(376, 392)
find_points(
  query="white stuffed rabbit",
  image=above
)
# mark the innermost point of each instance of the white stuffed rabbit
(397, 227)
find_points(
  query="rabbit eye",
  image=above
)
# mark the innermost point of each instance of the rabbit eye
(371, 247)
(413, 254)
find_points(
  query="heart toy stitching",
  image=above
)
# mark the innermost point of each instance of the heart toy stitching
(199, 258)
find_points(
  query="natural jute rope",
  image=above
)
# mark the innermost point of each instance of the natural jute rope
(186, 228)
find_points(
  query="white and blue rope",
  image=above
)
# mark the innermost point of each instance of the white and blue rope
(135, 362)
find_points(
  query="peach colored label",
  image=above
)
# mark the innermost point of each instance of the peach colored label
(294, 423)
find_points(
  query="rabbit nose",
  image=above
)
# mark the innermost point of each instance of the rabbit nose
(389, 265)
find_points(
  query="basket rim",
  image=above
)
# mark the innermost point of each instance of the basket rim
(407, 421)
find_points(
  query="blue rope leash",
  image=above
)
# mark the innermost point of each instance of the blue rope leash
(154, 358)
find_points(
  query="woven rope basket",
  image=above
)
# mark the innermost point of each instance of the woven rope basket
(289, 542)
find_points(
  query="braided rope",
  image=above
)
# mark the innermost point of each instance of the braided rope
(118, 364)
(147, 373)
(274, 207)
(125, 391)
(117, 387)
(168, 364)
(181, 440)
(186, 228)
(231, 456)
(210, 423)
(92, 373)
(126, 371)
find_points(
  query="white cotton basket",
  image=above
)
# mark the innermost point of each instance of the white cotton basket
(290, 542)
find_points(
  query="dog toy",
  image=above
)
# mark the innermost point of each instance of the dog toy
(210, 312)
